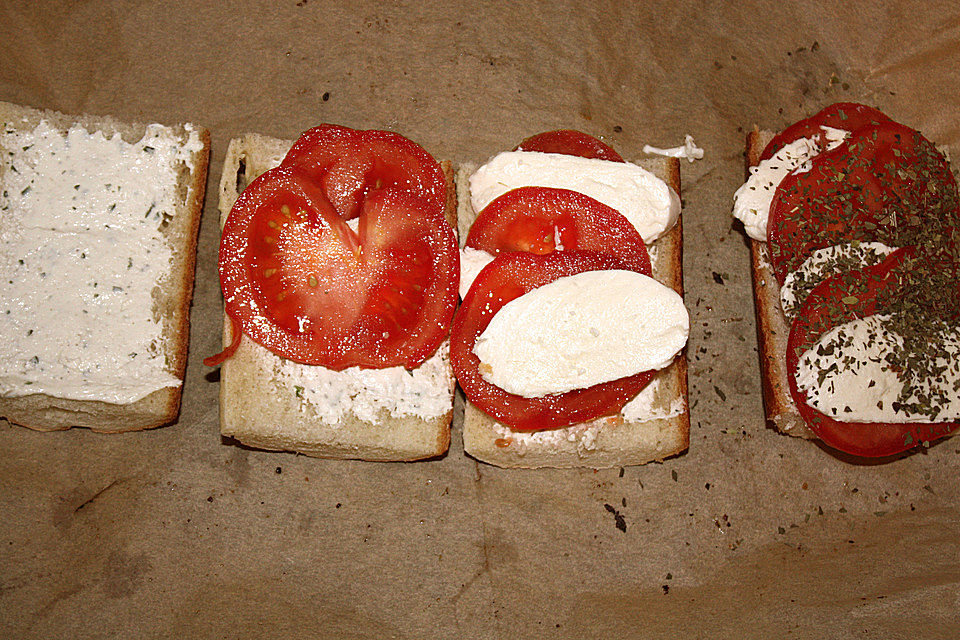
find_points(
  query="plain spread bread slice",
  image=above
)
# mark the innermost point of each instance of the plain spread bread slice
(104, 216)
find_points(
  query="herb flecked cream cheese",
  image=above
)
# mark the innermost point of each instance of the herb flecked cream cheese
(82, 252)
(424, 392)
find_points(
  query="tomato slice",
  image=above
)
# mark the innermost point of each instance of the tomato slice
(350, 165)
(570, 142)
(827, 306)
(304, 284)
(848, 116)
(510, 275)
(885, 183)
(541, 220)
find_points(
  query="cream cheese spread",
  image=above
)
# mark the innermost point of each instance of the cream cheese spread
(82, 253)
(688, 150)
(647, 405)
(848, 375)
(824, 263)
(643, 199)
(644, 407)
(424, 392)
(582, 330)
(584, 435)
(751, 202)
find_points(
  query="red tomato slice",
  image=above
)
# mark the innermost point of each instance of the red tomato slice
(350, 165)
(848, 116)
(826, 307)
(509, 276)
(885, 183)
(539, 219)
(305, 285)
(570, 142)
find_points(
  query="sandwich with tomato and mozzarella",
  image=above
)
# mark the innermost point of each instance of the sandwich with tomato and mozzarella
(854, 223)
(569, 340)
(339, 269)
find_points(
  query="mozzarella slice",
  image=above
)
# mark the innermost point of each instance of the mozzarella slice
(847, 375)
(582, 330)
(643, 199)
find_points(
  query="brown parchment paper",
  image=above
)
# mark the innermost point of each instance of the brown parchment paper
(173, 533)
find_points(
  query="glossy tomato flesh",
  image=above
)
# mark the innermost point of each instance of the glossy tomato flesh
(350, 165)
(304, 284)
(848, 116)
(570, 142)
(541, 220)
(827, 306)
(509, 276)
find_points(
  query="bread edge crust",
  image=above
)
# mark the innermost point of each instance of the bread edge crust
(772, 328)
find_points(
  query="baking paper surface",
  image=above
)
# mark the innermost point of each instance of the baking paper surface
(174, 533)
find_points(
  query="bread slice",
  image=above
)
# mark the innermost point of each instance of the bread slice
(263, 407)
(608, 442)
(185, 174)
(772, 327)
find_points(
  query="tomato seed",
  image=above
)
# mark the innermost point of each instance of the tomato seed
(312, 281)
(269, 239)
(285, 210)
(268, 273)
(273, 225)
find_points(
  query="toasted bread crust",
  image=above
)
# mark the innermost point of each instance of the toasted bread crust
(255, 413)
(48, 413)
(772, 328)
(772, 335)
(616, 442)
